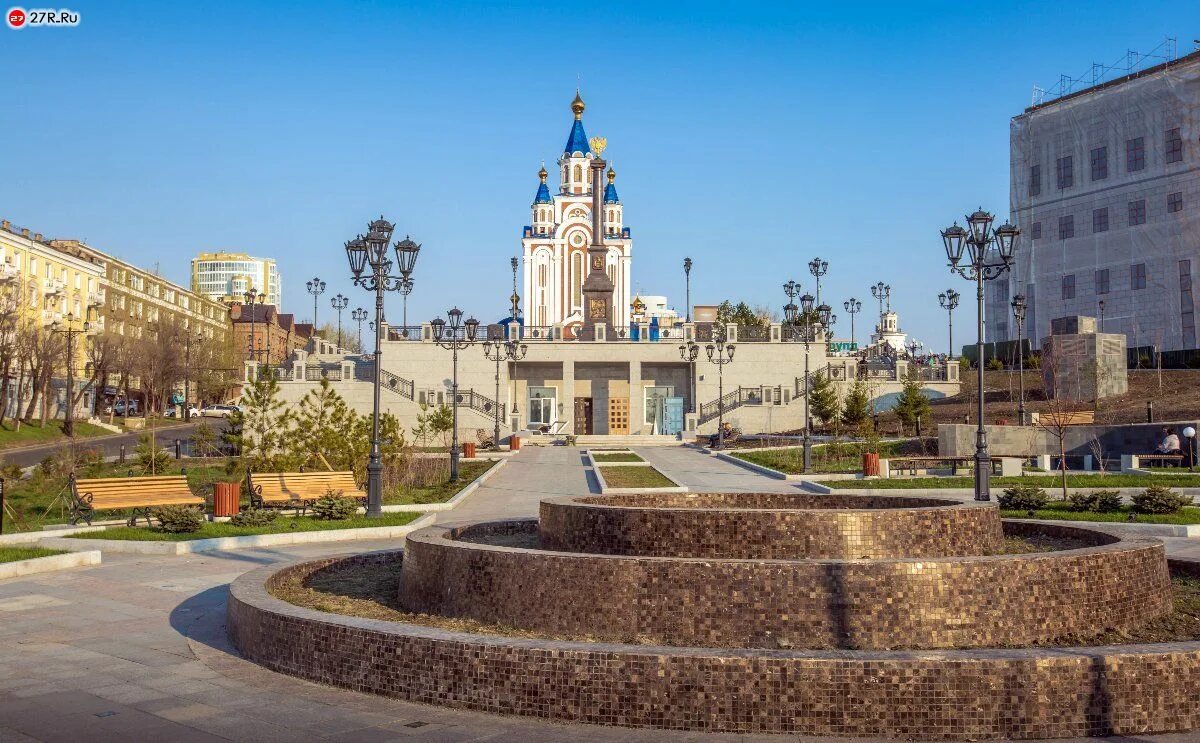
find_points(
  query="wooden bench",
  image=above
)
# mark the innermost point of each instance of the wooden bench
(1175, 460)
(136, 494)
(912, 464)
(298, 489)
(1064, 418)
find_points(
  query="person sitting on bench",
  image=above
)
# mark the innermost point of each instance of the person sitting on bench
(726, 432)
(1170, 443)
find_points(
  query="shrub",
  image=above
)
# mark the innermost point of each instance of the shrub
(995, 364)
(1033, 362)
(1023, 498)
(178, 519)
(1096, 501)
(254, 517)
(1159, 499)
(10, 471)
(150, 455)
(334, 506)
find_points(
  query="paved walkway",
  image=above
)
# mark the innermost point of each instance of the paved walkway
(135, 649)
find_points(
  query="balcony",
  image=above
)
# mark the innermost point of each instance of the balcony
(9, 272)
(53, 287)
(95, 298)
(50, 317)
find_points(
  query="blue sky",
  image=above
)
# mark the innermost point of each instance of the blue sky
(749, 137)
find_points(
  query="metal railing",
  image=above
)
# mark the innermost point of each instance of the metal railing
(404, 333)
(754, 334)
(315, 373)
(477, 402)
(730, 401)
(537, 332)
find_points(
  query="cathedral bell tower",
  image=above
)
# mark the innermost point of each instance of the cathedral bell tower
(598, 288)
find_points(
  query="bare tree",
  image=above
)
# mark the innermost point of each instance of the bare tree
(1060, 409)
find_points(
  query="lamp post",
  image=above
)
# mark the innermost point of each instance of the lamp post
(989, 256)
(406, 288)
(720, 353)
(358, 314)
(913, 347)
(187, 372)
(1189, 433)
(818, 268)
(454, 336)
(1018, 308)
(1101, 303)
(806, 313)
(687, 281)
(340, 303)
(371, 252)
(853, 307)
(316, 287)
(515, 298)
(252, 298)
(497, 349)
(949, 302)
(70, 331)
(883, 293)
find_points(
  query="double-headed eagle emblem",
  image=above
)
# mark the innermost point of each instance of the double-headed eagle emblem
(598, 144)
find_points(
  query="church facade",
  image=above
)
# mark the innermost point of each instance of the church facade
(554, 247)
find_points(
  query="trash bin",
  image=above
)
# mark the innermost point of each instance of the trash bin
(514, 443)
(227, 498)
(468, 449)
(870, 464)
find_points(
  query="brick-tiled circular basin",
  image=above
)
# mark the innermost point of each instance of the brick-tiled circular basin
(905, 695)
(495, 573)
(770, 525)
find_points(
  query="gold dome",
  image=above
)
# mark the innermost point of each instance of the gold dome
(612, 174)
(542, 173)
(577, 105)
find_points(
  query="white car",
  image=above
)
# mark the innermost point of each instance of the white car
(219, 411)
(192, 412)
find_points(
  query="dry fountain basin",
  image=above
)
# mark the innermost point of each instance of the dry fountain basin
(901, 617)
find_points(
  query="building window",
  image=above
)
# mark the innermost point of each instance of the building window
(1099, 163)
(1064, 172)
(1035, 180)
(542, 407)
(1174, 146)
(654, 408)
(1135, 154)
(1066, 227)
(1102, 281)
(1175, 201)
(1137, 212)
(1100, 219)
(1137, 276)
(1036, 231)
(1068, 286)
(1187, 310)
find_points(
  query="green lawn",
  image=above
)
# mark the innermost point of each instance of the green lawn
(33, 434)
(281, 525)
(31, 497)
(441, 492)
(12, 554)
(1059, 510)
(617, 457)
(839, 457)
(635, 477)
(1047, 482)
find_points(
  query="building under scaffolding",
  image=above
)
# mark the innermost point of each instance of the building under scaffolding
(1105, 186)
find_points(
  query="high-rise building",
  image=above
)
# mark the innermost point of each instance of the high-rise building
(223, 276)
(1105, 187)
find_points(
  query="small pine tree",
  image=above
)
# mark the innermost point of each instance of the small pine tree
(912, 403)
(823, 399)
(260, 430)
(856, 407)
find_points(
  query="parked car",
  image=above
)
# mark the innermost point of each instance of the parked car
(119, 408)
(219, 411)
(172, 412)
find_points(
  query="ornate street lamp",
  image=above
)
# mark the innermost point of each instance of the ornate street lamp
(454, 335)
(806, 313)
(70, 330)
(883, 293)
(913, 347)
(989, 256)
(853, 307)
(1101, 304)
(720, 353)
(316, 287)
(949, 302)
(514, 298)
(1018, 308)
(358, 314)
(818, 268)
(687, 280)
(187, 371)
(254, 297)
(406, 288)
(371, 268)
(497, 349)
(340, 303)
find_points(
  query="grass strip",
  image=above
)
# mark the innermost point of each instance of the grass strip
(281, 525)
(635, 477)
(407, 495)
(13, 554)
(1060, 511)
(1046, 482)
(618, 457)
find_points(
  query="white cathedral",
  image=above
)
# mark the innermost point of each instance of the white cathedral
(554, 246)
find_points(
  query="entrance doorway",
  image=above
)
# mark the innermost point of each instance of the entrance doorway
(583, 416)
(618, 416)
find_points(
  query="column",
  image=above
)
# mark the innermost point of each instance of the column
(637, 398)
(568, 394)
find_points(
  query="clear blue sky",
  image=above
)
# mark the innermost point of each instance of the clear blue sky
(748, 137)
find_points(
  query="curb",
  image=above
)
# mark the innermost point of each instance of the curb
(752, 466)
(29, 537)
(605, 489)
(453, 502)
(49, 564)
(236, 543)
(1146, 530)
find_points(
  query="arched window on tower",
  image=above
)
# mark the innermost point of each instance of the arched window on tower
(578, 174)
(577, 281)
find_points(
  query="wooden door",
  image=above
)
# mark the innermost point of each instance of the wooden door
(618, 416)
(583, 416)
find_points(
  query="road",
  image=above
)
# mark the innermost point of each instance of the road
(107, 445)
